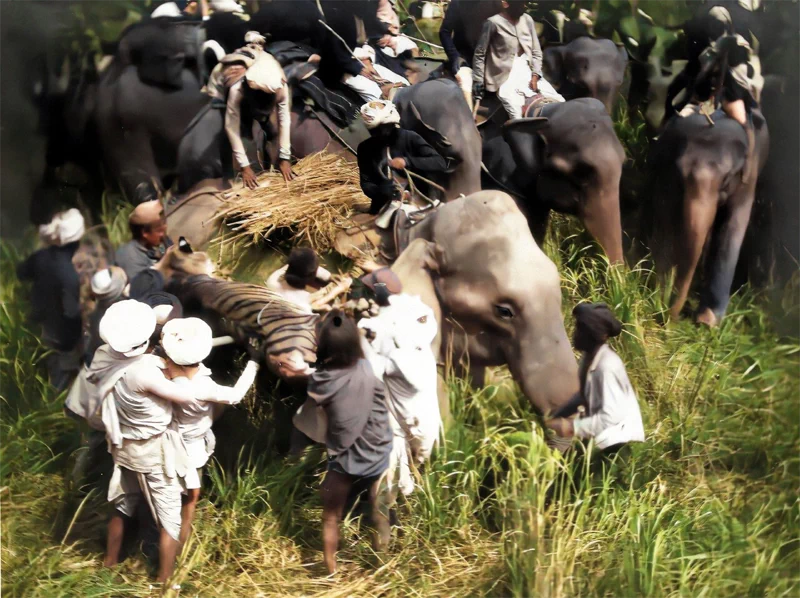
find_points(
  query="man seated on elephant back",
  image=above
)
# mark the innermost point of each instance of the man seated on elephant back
(251, 80)
(728, 67)
(508, 60)
(390, 149)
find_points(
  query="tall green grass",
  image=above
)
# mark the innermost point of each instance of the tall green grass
(707, 506)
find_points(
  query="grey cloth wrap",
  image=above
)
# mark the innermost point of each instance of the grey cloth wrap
(359, 436)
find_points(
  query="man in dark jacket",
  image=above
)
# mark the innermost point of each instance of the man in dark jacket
(55, 296)
(391, 149)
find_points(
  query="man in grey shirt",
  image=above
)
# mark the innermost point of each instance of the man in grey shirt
(508, 59)
(149, 231)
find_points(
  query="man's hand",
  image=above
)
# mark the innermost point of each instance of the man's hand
(477, 91)
(561, 425)
(249, 178)
(286, 170)
(397, 163)
(314, 58)
(253, 348)
(535, 83)
(369, 71)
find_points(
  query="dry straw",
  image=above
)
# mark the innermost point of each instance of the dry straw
(313, 205)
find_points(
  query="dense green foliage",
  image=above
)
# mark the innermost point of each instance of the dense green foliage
(707, 506)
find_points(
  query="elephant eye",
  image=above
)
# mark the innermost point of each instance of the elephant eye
(423, 320)
(504, 312)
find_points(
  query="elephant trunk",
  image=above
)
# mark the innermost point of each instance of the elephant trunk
(605, 93)
(544, 366)
(600, 211)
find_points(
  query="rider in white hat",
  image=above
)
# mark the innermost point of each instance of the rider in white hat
(107, 287)
(187, 342)
(391, 150)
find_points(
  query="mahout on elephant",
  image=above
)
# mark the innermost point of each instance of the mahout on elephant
(567, 159)
(586, 67)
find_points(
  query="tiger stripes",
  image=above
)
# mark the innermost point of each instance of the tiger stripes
(288, 333)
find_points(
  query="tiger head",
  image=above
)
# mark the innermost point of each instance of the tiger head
(180, 261)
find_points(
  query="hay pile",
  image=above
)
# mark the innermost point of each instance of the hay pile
(320, 196)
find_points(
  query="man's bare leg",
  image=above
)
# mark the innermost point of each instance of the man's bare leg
(167, 553)
(116, 533)
(187, 514)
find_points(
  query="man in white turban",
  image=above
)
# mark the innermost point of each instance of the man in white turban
(150, 458)
(391, 150)
(187, 342)
(55, 294)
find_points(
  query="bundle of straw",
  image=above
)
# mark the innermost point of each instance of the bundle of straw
(320, 196)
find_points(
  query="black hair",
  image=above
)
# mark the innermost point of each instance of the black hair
(338, 341)
(302, 267)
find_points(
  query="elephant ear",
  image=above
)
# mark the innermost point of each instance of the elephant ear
(521, 136)
(553, 65)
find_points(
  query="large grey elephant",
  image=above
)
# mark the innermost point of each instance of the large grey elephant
(495, 294)
(586, 67)
(703, 187)
(569, 161)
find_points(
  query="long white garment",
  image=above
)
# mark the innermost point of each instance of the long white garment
(390, 75)
(196, 418)
(619, 419)
(401, 354)
(517, 88)
(95, 382)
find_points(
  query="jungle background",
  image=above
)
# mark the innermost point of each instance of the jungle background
(707, 506)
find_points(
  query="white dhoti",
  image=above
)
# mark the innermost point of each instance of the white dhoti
(517, 88)
(162, 493)
(366, 88)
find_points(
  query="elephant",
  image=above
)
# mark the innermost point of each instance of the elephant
(568, 160)
(703, 188)
(437, 110)
(586, 67)
(495, 295)
(140, 127)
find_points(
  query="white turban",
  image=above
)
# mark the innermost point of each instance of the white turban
(265, 74)
(69, 227)
(379, 112)
(186, 341)
(126, 327)
(365, 52)
(226, 6)
(254, 37)
(109, 282)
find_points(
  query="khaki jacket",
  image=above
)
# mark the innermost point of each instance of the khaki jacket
(500, 43)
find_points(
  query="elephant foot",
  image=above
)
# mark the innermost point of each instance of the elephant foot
(707, 317)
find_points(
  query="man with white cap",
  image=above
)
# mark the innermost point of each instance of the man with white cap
(148, 227)
(391, 149)
(55, 295)
(253, 76)
(137, 413)
(107, 287)
(186, 343)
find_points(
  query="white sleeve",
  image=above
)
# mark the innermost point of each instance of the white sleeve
(273, 281)
(610, 389)
(233, 113)
(285, 123)
(229, 395)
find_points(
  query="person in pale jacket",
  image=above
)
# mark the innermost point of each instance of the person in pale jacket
(186, 343)
(508, 59)
(612, 415)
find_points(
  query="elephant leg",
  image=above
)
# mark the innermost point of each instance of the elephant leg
(203, 151)
(134, 166)
(699, 211)
(538, 221)
(726, 243)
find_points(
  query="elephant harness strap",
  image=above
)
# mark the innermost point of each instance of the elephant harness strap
(536, 105)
